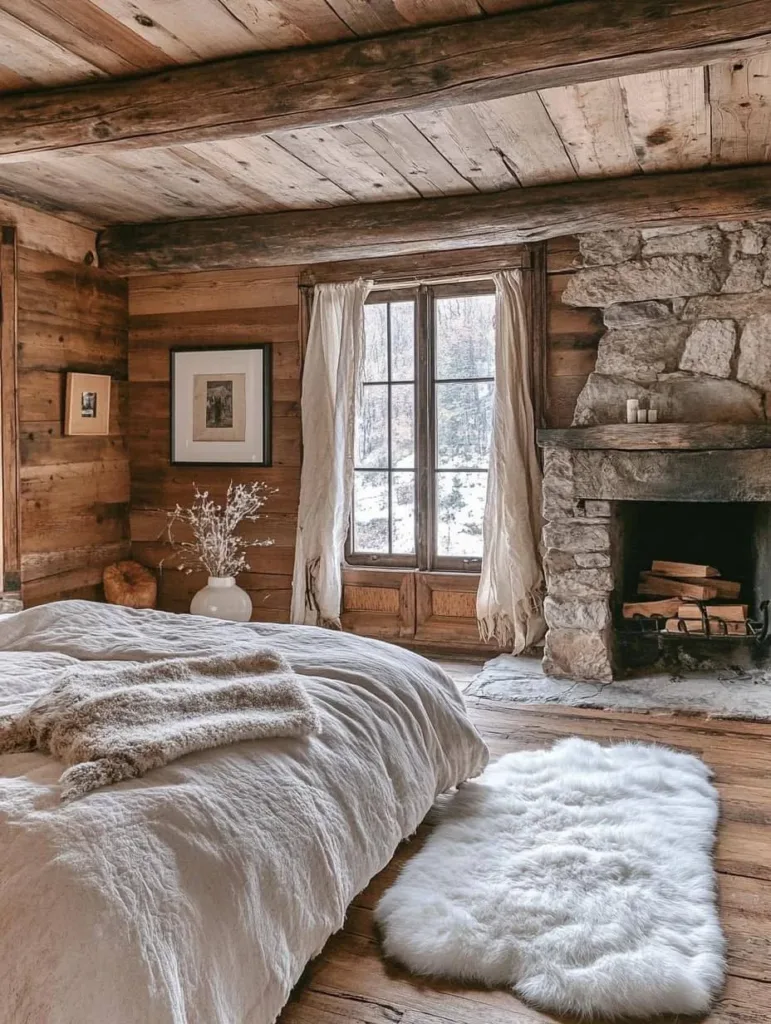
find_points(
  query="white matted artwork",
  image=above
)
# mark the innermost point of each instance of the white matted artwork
(221, 405)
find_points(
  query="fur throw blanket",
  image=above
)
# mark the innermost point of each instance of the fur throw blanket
(118, 723)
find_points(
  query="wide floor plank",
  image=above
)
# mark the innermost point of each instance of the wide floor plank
(351, 983)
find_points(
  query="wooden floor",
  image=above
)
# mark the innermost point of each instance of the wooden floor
(350, 981)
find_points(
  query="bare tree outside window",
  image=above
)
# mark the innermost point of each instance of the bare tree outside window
(423, 428)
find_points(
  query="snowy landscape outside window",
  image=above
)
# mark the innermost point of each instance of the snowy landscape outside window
(423, 427)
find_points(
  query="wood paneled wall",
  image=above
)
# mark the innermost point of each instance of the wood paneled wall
(228, 307)
(74, 491)
(572, 336)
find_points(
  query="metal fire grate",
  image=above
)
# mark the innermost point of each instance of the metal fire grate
(705, 628)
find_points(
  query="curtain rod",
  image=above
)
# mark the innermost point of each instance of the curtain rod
(384, 286)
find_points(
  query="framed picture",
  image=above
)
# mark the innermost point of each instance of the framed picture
(87, 404)
(221, 405)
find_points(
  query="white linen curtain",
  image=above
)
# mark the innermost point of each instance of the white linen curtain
(331, 379)
(510, 595)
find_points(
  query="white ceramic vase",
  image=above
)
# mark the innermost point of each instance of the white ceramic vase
(221, 598)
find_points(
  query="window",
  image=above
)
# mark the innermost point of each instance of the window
(423, 424)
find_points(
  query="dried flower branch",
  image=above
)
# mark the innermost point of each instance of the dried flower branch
(216, 546)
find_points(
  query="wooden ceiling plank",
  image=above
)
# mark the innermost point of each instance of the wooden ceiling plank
(466, 62)
(319, 20)
(669, 119)
(89, 33)
(458, 135)
(177, 185)
(407, 149)
(242, 183)
(41, 60)
(207, 27)
(591, 120)
(520, 129)
(340, 155)
(139, 17)
(276, 172)
(740, 98)
(450, 222)
(271, 28)
(86, 185)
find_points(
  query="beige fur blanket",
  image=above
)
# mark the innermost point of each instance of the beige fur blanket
(118, 723)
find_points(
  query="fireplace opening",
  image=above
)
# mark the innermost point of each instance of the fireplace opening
(733, 538)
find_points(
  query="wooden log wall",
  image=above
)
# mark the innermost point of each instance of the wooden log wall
(222, 308)
(241, 306)
(74, 491)
(572, 335)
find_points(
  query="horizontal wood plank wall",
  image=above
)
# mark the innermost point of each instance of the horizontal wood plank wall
(222, 308)
(74, 491)
(572, 336)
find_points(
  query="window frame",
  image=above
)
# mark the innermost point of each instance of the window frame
(425, 558)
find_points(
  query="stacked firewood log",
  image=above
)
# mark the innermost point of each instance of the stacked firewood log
(689, 600)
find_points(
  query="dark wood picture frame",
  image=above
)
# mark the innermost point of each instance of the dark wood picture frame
(267, 402)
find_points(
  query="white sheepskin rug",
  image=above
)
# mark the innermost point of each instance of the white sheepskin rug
(579, 876)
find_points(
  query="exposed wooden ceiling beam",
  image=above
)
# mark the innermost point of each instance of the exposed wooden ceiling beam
(375, 230)
(580, 41)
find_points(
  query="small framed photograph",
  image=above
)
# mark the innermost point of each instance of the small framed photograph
(87, 404)
(221, 405)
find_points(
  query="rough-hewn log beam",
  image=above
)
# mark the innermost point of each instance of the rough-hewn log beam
(523, 50)
(452, 222)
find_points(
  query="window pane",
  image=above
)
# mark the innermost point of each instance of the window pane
(464, 414)
(465, 336)
(376, 342)
(460, 506)
(372, 427)
(402, 340)
(403, 426)
(370, 512)
(403, 511)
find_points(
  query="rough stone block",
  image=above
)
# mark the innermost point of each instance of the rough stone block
(603, 400)
(642, 353)
(592, 559)
(660, 277)
(597, 509)
(592, 615)
(745, 275)
(573, 654)
(580, 584)
(709, 348)
(576, 535)
(557, 492)
(748, 240)
(705, 241)
(637, 314)
(739, 306)
(754, 366)
(599, 248)
(559, 561)
(688, 398)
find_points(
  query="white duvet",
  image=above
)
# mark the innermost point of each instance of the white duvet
(197, 894)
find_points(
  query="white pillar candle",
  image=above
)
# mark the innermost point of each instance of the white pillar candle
(642, 415)
(653, 415)
(632, 406)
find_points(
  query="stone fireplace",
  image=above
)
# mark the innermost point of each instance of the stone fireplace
(616, 496)
(687, 313)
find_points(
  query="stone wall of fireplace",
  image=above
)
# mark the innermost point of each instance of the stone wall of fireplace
(687, 313)
(585, 495)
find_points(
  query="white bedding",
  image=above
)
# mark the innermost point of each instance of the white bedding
(197, 894)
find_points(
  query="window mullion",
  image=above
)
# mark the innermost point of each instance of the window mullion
(423, 365)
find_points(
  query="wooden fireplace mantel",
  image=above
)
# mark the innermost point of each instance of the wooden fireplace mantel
(659, 437)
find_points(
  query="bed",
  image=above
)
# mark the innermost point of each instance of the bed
(197, 894)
